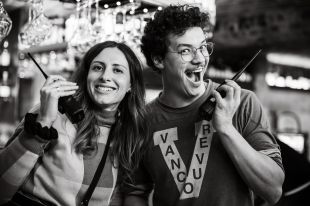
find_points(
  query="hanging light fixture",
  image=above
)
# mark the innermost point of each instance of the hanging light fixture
(38, 27)
(5, 23)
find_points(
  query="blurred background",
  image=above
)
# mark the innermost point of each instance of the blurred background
(58, 32)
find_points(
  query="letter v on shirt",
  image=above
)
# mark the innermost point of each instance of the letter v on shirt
(188, 182)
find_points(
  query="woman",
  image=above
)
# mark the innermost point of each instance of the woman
(111, 91)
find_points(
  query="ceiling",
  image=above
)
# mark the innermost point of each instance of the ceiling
(242, 26)
(63, 8)
(51, 8)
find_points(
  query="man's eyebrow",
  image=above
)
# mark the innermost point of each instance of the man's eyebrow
(189, 45)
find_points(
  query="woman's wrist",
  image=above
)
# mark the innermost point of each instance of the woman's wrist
(32, 126)
(44, 121)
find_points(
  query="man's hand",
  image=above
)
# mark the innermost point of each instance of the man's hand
(226, 107)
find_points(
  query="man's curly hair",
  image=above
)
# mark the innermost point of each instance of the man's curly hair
(171, 20)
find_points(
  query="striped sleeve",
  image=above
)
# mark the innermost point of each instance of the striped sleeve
(16, 161)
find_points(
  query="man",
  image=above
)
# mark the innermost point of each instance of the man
(191, 161)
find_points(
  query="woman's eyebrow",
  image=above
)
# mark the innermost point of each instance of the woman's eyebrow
(120, 65)
(115, 64)
(97, 62)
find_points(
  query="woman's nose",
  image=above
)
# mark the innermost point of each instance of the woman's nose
(106, 75)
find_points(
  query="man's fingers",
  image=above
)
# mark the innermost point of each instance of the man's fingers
(236, 88)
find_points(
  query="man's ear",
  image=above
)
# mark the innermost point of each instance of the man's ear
(158, 62)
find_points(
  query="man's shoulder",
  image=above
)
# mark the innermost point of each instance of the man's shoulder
(249, 104)
(247, 95)
(152, 107)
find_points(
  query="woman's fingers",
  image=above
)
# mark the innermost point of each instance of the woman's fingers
(56, 92)
(65, 90)
(54, 78)
(61, 83)
(55, 85)
(66, 93)
(57, 81)
(54, 88)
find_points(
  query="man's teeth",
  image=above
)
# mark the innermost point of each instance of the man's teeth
(194, 71)
(194, 75)
(198, 70)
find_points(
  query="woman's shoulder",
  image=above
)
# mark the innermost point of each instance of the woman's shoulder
(63, 123)
(35, 109)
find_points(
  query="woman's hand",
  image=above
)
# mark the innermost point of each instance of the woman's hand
(226, 107)
(55, 87)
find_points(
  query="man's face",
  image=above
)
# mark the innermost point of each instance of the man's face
(185, 79)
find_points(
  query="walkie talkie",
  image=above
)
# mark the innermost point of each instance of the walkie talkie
(207, 108)
(68, 104)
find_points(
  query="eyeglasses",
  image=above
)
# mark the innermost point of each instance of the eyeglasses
(188, 54)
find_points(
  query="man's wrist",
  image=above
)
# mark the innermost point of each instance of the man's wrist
(226, 130)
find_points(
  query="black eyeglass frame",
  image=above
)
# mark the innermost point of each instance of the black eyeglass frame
(194, 52)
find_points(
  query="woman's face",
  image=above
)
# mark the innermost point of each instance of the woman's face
(108, 79)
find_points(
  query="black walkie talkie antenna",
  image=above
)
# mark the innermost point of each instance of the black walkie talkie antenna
(240, 72)
(45, 75)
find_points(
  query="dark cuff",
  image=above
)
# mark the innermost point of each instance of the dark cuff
(35, 128)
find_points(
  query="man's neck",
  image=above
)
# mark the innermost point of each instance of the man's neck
(171, 99)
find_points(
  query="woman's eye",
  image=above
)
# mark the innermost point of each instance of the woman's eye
(117, 70)
(97, 68)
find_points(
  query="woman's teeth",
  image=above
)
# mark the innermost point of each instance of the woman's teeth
(105, 89)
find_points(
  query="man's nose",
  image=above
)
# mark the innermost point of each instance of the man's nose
(198, 57)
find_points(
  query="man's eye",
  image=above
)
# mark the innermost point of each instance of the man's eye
(204, 48)
(185, 51)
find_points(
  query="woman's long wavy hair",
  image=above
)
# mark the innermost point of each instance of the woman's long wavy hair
(130, 129)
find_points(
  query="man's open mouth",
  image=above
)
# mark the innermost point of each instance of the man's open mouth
(194, 75)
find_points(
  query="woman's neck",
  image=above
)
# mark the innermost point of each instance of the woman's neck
(106, 117)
